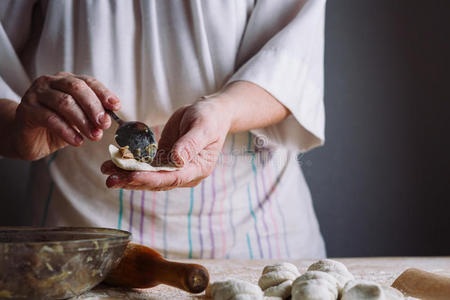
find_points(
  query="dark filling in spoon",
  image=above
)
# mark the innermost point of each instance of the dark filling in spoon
(137, 137)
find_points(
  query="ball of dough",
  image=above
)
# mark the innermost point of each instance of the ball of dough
(281, 267)
(368, 290)
(282, 291)
(276, 280)
(234, 289)
(336, 269)
(362, 290)
(392, 294)
(315, 285)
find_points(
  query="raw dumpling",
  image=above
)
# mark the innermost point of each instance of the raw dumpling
(336, 269)
(315, 285)
(234, 289)
(130, 164)
(368, 290)
(276, 280)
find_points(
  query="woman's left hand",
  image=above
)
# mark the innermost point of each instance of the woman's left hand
(192, 138)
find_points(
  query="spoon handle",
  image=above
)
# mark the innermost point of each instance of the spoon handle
(114, 116)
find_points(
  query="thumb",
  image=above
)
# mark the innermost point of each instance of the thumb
(188, 146)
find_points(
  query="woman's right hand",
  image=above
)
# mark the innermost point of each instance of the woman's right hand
(61, 110)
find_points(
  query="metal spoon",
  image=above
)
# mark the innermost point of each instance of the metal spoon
(139, 138)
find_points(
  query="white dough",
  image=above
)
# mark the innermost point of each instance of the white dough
(368, 290)
(281, 267)
(234, 289)
(130, 164)
(336, 269)
(246, 297)
(315, 285)
(362, 290)
(276, 280)
(392, 294)
(282, 291)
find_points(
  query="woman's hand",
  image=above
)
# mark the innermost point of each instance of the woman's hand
(194, 135)
(59, 110)
(192, 138)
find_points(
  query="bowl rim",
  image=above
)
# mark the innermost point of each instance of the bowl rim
(110, 234)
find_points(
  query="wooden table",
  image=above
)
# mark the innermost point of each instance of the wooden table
(382, 270)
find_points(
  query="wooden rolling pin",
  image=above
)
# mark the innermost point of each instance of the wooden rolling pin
(143, 267)
(423, 285)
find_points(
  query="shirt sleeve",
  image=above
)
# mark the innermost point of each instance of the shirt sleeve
(15, 21)
(282, 52)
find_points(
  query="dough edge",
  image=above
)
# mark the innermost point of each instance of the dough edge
(134, 165)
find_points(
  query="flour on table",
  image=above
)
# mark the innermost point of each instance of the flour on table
(130, 164)
(315, 285)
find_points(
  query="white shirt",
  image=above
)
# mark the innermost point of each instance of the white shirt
(157, 56)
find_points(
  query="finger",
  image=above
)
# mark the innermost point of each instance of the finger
(141, 187)
(107, 98)
(120, 179)
(193, 183)
(189, 146)
(109, 168)
(152, 180)
(169, 136)
(47, 118)
(85, 98)
(66, 106)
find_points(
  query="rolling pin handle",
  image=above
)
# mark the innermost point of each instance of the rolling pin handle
(143, 267)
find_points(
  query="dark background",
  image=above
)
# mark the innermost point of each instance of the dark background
(381, 184)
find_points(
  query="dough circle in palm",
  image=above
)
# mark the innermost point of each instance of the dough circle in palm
(130, 164)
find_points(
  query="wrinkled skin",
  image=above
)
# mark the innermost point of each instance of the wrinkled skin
(192, 138)
(61, 110)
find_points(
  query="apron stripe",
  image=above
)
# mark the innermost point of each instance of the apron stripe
(166, 206)
(131, 212)
(260, 206)
(191, 206)
(270, 202)
(47, 203)
(249, 245)
(211, 232)
(141, 225)
(50, 190)
(224, 185)
(200, 219)
(280, 211)
(258, 200)
(119, 225)
(258, 239)
(154, 195)
(152, 231)
(233, 180)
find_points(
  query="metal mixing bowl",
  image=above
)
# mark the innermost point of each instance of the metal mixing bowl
(56, 263)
